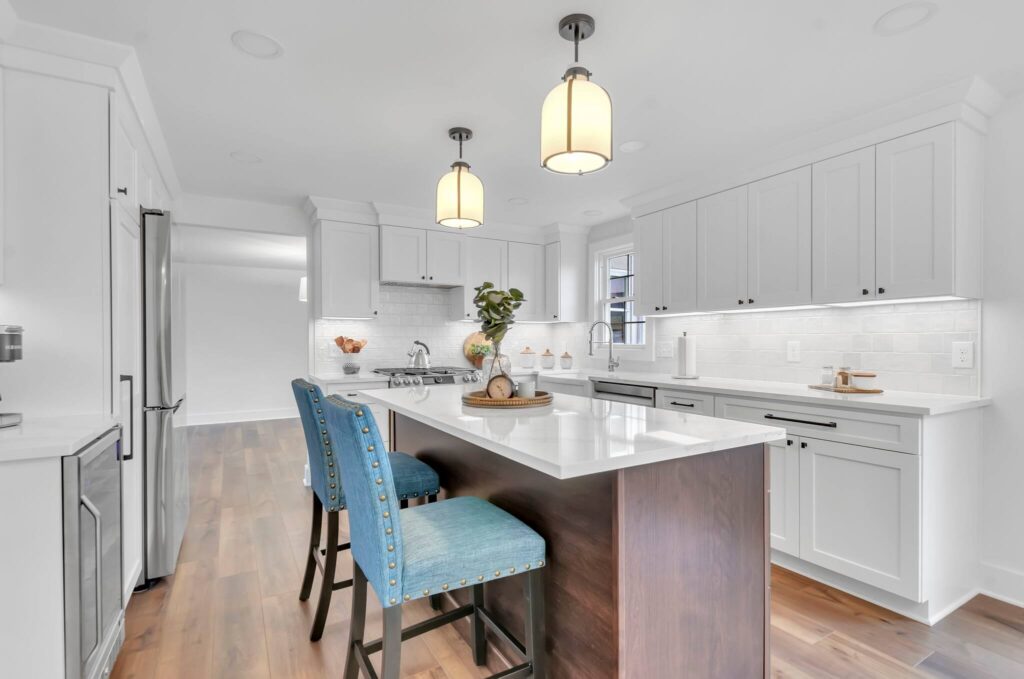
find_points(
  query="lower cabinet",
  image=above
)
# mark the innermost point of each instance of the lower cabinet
(860, 514)
(560, 387)
(685, 402)
(784, 495)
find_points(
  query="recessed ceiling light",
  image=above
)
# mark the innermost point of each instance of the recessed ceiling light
(245, 157)
(905, 17)
(518, 200)
(257, 45)
(632, 146)
(593, 213)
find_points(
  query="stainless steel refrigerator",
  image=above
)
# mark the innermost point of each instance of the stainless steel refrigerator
(165, 463)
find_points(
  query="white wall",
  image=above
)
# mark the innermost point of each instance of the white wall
(246, 340)
(1003, 378)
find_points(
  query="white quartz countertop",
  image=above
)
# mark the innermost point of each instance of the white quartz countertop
(37, 438)
(907, 402)
(575, 435)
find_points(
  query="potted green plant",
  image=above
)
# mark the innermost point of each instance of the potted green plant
(496, 310)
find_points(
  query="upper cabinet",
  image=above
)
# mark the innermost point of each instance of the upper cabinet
(526, 271)
(779, 240)
(486, 261)
(899, 220)
(135, 180)
(843, 216)
(344, 270)
(565, 279)
(667, 261)
(722, 250)
(419, 256)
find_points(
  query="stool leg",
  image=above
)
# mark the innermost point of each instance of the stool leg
(357, 622)
(478, 634)
(327, 583)
(403, 504)
(435, 602)
(535, 635)
(391, 661)
(314, 544)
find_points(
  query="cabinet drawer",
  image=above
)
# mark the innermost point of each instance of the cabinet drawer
(877, 430)
(686, 402)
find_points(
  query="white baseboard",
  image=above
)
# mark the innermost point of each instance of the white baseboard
(1003, 583)
(194, 419)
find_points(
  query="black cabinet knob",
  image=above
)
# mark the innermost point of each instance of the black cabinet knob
(803, 444)
(750, 301)
(467, 315)
(881, 291)
(554, 315)
(664, 308)
(789, 442)
(374, 313)
(657, 308)
(740, 301)
(864, 291)
(423, 278)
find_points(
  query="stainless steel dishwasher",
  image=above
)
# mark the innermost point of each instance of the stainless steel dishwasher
(624, 393)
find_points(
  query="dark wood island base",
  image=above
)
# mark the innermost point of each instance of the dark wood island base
(654, 571)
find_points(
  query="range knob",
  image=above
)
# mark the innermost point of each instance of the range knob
(465, 378)
(404, 380)
(417, 380)
(476, 377)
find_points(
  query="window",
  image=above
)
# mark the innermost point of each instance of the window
(618, 299)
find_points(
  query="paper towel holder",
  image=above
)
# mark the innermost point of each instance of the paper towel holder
(680, 359)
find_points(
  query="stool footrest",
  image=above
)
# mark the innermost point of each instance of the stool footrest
(524, 670)
(341, 585)
(501, 631)
(424, 627)
(342, 547)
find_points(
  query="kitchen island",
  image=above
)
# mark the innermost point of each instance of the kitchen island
(655, 521)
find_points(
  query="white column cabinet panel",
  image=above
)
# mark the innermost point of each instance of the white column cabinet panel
(784, 495)
(843, 218)
(914, 214)
(860, 514)
(486, 261)
(648, 241)
(526, 269)
(347, 270)
(722, 250)
(446, 258)
(779, 240)
(403, 254)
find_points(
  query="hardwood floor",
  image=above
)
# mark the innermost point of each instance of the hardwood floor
(232, 608)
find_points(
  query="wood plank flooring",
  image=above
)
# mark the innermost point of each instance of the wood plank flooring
(232, 608)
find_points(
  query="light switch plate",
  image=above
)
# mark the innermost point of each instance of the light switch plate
(793, 351)
(963, 354)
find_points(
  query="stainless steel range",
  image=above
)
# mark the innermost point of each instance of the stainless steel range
(409, 377)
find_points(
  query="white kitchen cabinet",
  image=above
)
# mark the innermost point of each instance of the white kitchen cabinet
(566, 273)
(486, 261)
(860, 514)
(344, 275)
(722, 250)
(552, 280)
(403, 254)
(915, 193)
(685, 401)
(526, 271)
(446, 258)
(666, 247)
(843, 218)
(125, 166)
(784, 495)
(581, 388)
(779, 240)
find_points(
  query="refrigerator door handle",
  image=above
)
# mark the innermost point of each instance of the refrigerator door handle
(130, 379)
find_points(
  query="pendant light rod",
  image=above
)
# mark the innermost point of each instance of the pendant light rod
(460, 134)
(576, 27)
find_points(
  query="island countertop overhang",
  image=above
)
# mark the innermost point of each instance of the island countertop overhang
(575, 436)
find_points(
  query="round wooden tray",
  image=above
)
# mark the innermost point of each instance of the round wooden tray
(478, 399)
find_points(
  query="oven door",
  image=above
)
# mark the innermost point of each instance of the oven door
(92, 556)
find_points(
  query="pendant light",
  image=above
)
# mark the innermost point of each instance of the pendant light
(460, 193)
(576, 119)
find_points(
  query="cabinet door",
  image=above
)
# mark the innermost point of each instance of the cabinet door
(125, 168)
(647, 239)
(784, 495)
(779, 240)
(679, 259)
(446, 258)
(722, 250)
(860, 514)
(526, 272)
(914, 214)
(552, 281)
(348, 270)
(486, 261)
(843, 218)
(403, 255)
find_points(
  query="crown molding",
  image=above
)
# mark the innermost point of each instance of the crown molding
(970, 101)
(244, 215)
(336, 210)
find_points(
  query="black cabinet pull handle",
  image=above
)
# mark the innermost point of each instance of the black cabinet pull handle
(832, 425)
(740, 301)
(685, 405)
(664, 308)
(123, 190)
(657, 308)
(864, 291)
(881, 291)
(131, 418)
(750, 301)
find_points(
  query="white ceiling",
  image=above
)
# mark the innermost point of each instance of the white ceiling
(358, 106)
(234, 247)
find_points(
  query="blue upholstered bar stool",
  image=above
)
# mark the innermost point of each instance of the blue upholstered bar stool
(412, 553)
(413, 478)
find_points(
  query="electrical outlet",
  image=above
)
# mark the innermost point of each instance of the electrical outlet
(963, 354)
(793, 351)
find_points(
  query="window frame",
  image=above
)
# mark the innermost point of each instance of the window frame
(600, 253)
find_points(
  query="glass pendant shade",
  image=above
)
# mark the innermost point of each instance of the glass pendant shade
(576, 126)
(460, 198)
